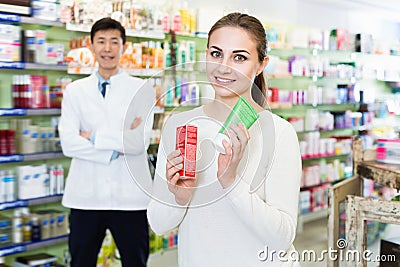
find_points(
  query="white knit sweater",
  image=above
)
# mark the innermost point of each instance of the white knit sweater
(233, 226)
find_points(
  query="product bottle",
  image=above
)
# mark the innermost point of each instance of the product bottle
(27, 89)
(35, 229)
(17, 227)
(53, 180)
(14, 88)
(60, 179)
(11, 148)
(363, 109)
(159, 93)
(159, 56)
(3, 192)
(167, 55)
(10, 186)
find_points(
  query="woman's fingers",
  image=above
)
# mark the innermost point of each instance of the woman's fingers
(227, 147)
(174, 179)
(173, 170)
(174, 164)
(239, 137)
(241, 132)
(173, 155)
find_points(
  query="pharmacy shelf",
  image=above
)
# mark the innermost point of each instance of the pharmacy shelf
(179, 108)
(134, 72)
(172, 109)
(32, 66)
(15, 249)
(13, 18)
(30, 202)
(36, 21)
(11, 112)
(306, 187)
(325, 157)
(129, 32)
(38, 66)
(31, 157)
(285, 107)
(332, 131)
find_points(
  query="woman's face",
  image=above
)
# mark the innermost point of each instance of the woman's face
(232, 62)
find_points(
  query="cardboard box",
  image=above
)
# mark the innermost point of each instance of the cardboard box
(186, 142)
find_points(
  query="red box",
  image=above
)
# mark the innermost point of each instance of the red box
(40, 91)
(186, 142)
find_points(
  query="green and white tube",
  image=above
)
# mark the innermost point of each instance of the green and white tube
(242, 112)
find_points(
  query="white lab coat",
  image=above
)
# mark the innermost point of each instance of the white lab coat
(94, 180)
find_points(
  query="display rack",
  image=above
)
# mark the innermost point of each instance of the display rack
(30, 202)
(31, 157)
(7, 70)
(7, 251)
(358, 208)
(11, 112)
(129, 32)
(133, 72)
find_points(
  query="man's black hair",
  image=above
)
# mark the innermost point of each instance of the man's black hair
(107, 24)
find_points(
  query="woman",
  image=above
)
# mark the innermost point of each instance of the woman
(241, 209)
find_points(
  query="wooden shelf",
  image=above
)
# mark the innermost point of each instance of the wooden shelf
(382, 173)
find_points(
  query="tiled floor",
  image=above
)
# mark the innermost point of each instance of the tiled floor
(313, 237)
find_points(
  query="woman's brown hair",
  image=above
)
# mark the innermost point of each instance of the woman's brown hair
(256, 30)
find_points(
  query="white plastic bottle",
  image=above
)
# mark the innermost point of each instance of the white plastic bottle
(53, 180)
(60, 179)
(2, 186)
(10, 186)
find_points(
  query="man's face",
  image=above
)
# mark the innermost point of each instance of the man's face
(108, 48)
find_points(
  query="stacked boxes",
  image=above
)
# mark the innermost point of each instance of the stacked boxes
(10, 45)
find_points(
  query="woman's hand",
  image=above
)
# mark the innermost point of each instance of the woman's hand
(228, 162)
(181, 188)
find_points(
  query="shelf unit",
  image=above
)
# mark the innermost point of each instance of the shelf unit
(129, 32)
(12, 112)
(358, 208)
(7, 69)
(30, 202)
(7, 251)
(31, 157)
(287, 81)
(133, 72)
